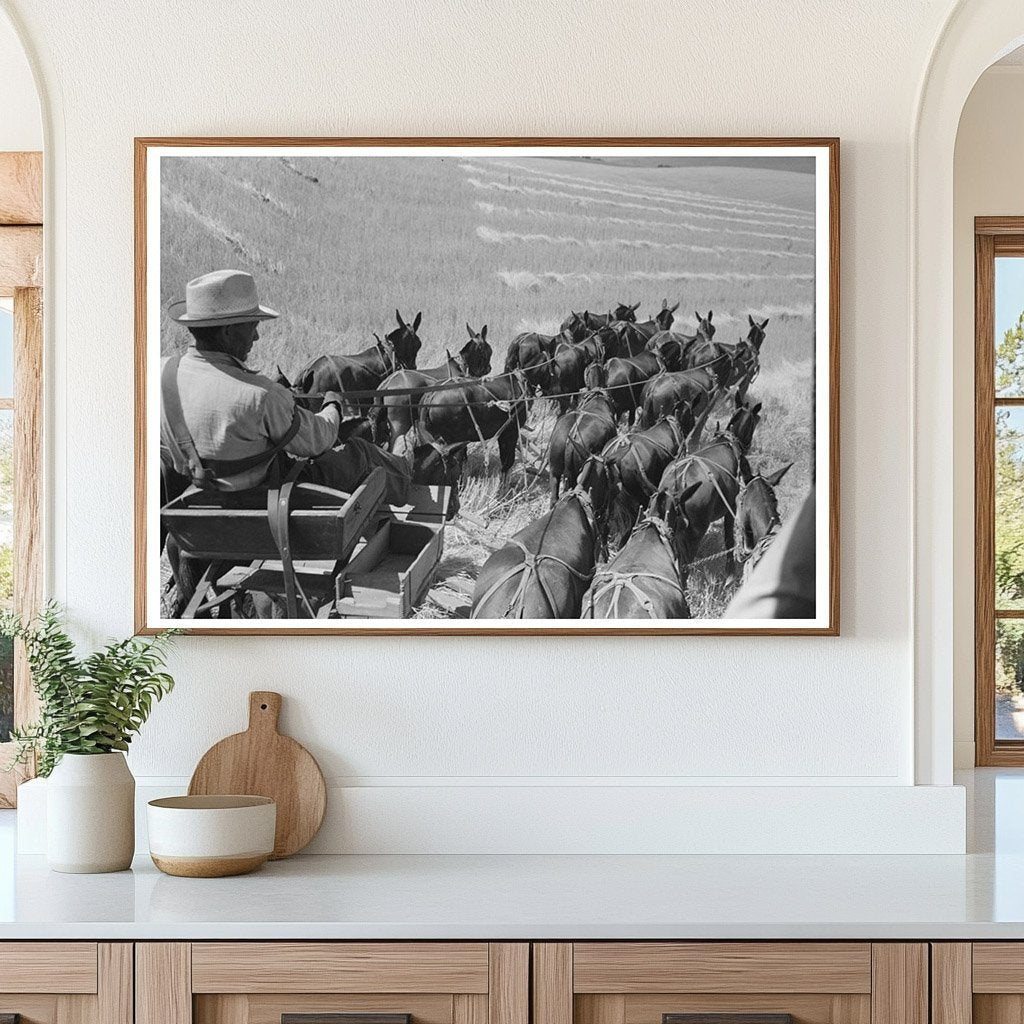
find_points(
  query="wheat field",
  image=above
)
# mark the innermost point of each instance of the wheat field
(338, 243)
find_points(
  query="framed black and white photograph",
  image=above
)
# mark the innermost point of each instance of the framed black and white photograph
(444, 386)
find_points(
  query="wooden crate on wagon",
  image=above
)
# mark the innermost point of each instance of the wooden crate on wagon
(389, 574)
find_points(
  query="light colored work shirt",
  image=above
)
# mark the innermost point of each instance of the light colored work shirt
(233, 412)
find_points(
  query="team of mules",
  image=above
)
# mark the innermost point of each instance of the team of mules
(629, 467)
(631, 470)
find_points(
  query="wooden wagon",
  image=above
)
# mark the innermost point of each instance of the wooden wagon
(317, 551)
(391, 570)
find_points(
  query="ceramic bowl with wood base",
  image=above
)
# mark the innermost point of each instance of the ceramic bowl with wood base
(211, 836)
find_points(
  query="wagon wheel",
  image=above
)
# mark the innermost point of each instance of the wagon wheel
(207, 597)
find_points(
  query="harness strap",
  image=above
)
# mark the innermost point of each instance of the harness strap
(278, 513)
(619, 581)
(207, 474)
(172, 419)
(529, 566)
(710, 468)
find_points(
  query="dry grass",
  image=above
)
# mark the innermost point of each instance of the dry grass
(337, 243)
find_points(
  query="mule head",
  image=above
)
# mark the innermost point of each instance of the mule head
(386, 347)
(476, 353)
(440, 465)
(608, 339)
(666, 315)
(705, 328)
(406, 342)
(599, 478)
(755, 336)
(668, 351)
(623, 311)
(575, 326)
(757, 510)
(744, 421)
(669, 508)
(595, 376)
(684, 417)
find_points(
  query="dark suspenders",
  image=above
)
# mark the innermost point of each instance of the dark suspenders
(207, 473)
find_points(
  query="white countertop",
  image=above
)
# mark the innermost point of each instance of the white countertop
(977, 896)
(495, 897)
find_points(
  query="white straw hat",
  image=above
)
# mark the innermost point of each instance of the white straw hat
(218, 299)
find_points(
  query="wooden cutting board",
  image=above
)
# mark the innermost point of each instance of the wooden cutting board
(262, 762)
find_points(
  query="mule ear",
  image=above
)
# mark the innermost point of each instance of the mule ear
(664, 303)
(757, 408)
(775, 477)
(750, 320)
(483, 332)
(711, 314)
(698, 316)
(469, 330)
(674, 308)
(658, 504)
(401, 322)
(764, 322)
(416, 322)
(687, 494)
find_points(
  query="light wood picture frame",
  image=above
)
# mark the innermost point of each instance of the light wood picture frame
(676, 223)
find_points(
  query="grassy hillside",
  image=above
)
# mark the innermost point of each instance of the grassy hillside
(337, 243)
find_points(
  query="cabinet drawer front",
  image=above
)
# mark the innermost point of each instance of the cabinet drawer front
(637, 967)
(339, 967)
(269, 1009)
(998, 967)
(58, 967)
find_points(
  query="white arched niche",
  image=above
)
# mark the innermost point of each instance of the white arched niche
(974, 36)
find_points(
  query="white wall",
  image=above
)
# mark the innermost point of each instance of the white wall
(987, 181)
(437, 713)
(21, 126)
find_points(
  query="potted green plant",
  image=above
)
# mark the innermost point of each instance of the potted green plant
(90, 708)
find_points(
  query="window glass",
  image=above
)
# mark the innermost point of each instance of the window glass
(1009, 508)
(1009, 679)
(6, 353)
(1009, 327)
(6, 567)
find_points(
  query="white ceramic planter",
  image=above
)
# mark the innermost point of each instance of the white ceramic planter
(90, 814)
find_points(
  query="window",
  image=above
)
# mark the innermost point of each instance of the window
(999, 490)
(21, 366)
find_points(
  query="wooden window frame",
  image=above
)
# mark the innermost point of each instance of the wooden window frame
(21, 278)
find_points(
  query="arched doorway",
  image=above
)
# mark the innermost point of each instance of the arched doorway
(976, 34)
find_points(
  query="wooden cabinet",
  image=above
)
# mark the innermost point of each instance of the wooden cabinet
(978, 983)
(66, 982)
(752, 982)
(263, 982)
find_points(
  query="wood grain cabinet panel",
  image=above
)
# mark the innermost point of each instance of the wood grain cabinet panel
(66, 982)
(978, 983)
(340, 967)
(258, 982)
(64, 967)
(634, 967)
(808, 982)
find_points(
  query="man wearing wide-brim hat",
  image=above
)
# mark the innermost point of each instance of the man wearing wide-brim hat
(226, 427)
